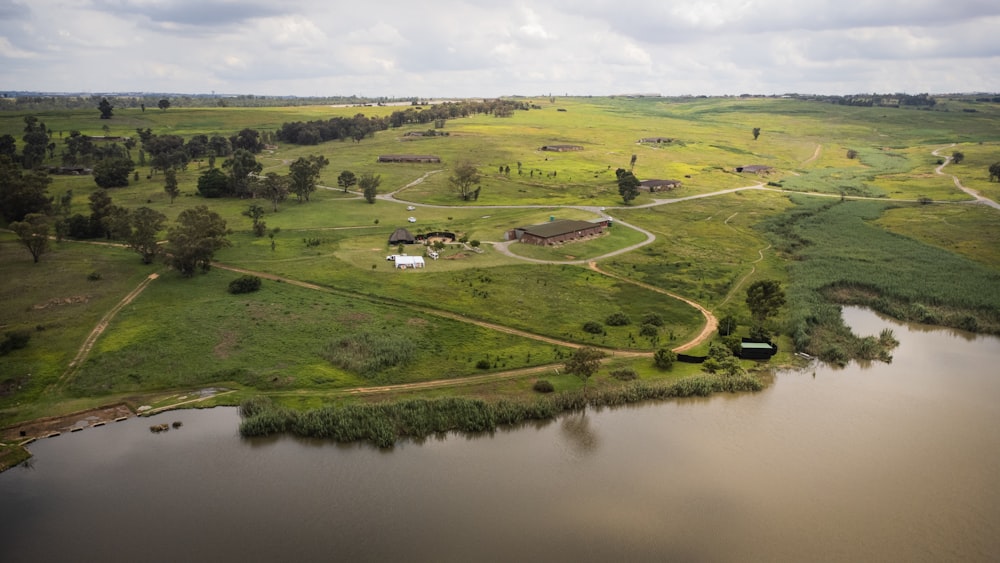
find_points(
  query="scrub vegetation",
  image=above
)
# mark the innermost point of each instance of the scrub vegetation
(300, 308)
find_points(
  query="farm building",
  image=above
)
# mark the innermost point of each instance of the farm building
(754, 169)
(404, 262)
(401, 236)
(562, 148)
(423, 158)
(659, 185)
(555, 232)
(656, 140)
(757, 350)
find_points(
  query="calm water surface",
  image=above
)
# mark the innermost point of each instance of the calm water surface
(895, 462)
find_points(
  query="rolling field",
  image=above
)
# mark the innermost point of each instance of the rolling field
(474, 312)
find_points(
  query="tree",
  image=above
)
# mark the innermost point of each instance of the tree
(369, 184)
(304, 174)
(664, 358)
(631, 164)
(141, 228)
(256, 214)
(213, 183)
(36, 142)
(106, 108)
(852, 154)
(583, 363)
(8, 146)
(170, 184)
(756, 133)
(995, 171)
(273, 188)
(957, 157)
(199, 233)
(247, 139)
(764, 298)
(113, 172)
(22, 192)
(346, 180)
(628, 185)
(242, 165)
(102, 211)
(163, 104)
(727, 325)
(464, 177)
(33, 233)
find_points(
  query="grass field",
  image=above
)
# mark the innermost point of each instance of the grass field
(934, 262)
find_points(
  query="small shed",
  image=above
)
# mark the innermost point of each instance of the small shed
(753, 169)
(757, 350)
(401, 236)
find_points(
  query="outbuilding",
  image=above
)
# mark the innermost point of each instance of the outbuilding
(757, 350)
(555, 232)
(404, 262)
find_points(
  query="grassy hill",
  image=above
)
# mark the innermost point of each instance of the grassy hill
(806, 222)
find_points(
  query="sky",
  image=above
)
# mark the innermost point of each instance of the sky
(490, 48)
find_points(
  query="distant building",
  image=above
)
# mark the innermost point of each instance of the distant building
(423, 158)
(753, 169)
(401, 236)
(562, 148)
(656, 140)
(659, 185)
(555, 232)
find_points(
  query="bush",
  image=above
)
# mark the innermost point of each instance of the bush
(244, 284)
(664, 358)
(617, 319)
(652, 319)
(648, 330)
(14, 340)
(543, 386)
(94, 276)
(624, 374)
(483, 364)
(593, 327)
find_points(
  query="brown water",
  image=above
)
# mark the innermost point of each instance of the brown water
(886, 463)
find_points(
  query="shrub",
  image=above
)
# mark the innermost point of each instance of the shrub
(543, 386)
(94, 276)
(648, 330)
(483, 364)
(617, 319)
(652, 319)
(664, 358)
(244, 284)
(624, 374)
(593, 327)
(14, 340)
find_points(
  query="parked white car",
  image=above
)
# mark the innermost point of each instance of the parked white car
(412, 219)
(410, 208)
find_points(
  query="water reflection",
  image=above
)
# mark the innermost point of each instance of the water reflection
(893, 462)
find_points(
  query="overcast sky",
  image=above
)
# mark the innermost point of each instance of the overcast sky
(487, 48)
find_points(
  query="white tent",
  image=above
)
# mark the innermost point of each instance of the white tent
(405, 262)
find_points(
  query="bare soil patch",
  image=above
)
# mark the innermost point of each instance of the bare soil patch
(47, 426)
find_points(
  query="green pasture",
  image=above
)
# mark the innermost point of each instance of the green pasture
(936, 263)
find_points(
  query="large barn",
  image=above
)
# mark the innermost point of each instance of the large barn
(555, 232)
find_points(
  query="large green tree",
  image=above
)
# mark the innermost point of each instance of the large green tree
(33, 233)
(193, 241)
(170, 184)
(369, 184)
(107, 110)
(22, 192)
(764, 299)
(995, 171)
(304, 174)
(241, 166)
(141, 229)
(113, 172)
(274, 188)
(213, 183)
(628, 185)
(462, 180)
(584, 363)
(36, 142)
(346, 180)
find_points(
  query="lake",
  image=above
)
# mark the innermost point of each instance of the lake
(895, 462)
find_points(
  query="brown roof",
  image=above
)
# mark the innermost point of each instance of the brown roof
(560, 227)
